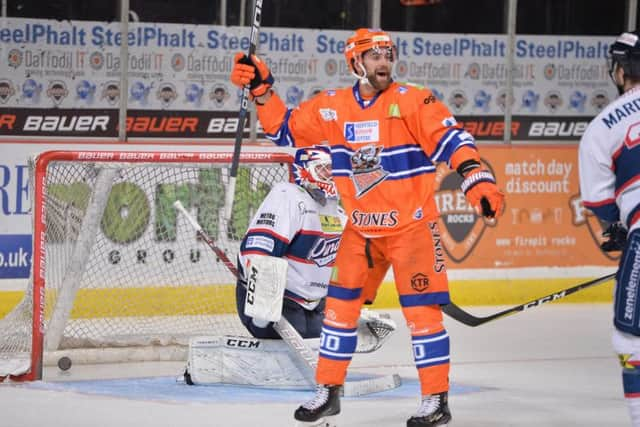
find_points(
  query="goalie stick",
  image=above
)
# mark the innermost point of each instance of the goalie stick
(306, 360)
(456, 313)
(244, 107)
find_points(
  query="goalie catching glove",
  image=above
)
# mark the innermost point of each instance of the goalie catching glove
(253, 72)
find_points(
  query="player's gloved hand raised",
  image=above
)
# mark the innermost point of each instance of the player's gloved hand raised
(479, 186)
(253, 72)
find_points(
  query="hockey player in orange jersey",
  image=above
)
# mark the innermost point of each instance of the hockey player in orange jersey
(385, 139)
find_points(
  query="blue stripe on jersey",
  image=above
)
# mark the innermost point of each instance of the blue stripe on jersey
(338, 343)
(283, 138)
(401, 162)
(453, 139)
(631, 215)
(343, 293)
(301, 245)
(431, 298)
(626, 166)
(266, 243)
(430, 350)
(608, 212)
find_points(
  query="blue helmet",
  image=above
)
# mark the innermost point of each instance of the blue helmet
(312, 170)
(625, 51)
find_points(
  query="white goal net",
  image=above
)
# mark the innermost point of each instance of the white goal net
(117, 273)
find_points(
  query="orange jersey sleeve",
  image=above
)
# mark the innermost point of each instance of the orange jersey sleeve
(384, 150)
(299, 127)
(434, 126)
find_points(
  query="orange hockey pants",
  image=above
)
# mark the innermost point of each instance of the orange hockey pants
(416, 256)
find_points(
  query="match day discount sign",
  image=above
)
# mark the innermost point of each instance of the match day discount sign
(544, 222)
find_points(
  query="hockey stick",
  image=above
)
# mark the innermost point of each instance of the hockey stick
(305, 359)
(242, 116)
(468, 319)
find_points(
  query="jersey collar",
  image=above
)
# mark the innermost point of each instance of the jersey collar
(364, 103)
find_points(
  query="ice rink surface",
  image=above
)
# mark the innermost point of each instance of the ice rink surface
(549, 366)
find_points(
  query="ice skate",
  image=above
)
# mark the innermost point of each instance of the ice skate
(434, 411)
(322, 410)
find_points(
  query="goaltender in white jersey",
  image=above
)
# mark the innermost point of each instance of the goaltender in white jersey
(285, 263)
(305, 231)
(609, 158)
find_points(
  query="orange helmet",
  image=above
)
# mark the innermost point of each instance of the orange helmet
(365, 39)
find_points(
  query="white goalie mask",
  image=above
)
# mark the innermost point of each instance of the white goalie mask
(312, 170)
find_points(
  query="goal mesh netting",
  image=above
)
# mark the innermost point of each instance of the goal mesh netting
(115, 266)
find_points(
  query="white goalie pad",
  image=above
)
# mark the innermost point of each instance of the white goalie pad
(244, 361)
(266, 281)
(14, 367)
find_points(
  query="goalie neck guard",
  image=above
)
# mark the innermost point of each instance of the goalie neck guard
(312, 171)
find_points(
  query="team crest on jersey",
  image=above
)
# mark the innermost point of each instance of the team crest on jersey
(461, 227)
(583, 216)
(367, 170)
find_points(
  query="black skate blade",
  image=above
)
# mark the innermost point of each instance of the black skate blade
(328, 421)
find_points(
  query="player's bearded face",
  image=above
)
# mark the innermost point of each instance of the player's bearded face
(379, 64)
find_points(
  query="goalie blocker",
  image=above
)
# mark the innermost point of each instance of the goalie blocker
(266, 280)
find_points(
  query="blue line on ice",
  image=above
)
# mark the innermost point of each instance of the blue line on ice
(167, 389)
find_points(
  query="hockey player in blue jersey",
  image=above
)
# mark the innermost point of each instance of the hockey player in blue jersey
(609, 160)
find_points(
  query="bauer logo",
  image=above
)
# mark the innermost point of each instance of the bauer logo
(460, 227)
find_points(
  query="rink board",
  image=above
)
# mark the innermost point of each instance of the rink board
(463, 292)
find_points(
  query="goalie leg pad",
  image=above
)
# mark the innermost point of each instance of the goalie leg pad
(243, 361)
(627, 295)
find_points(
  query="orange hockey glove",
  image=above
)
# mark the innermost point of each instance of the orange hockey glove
(479, 186)
(253, 72)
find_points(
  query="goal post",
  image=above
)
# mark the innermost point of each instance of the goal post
(117, 274)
